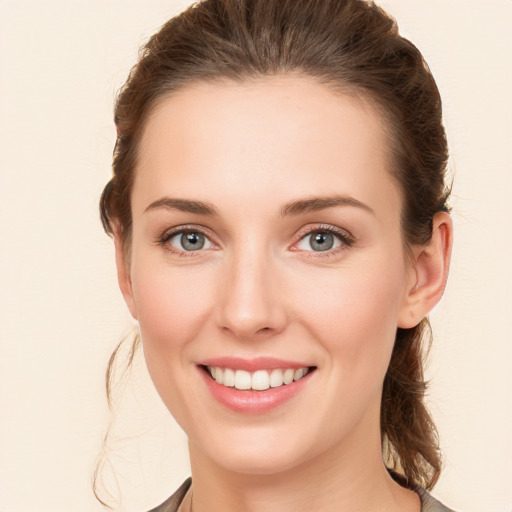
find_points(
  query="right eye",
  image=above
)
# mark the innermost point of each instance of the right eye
(187, 241)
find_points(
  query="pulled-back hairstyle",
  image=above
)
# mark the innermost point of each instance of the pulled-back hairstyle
(352, 46)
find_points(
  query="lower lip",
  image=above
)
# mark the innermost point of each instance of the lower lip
(250, 401)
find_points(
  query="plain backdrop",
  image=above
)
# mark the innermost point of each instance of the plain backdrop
(62, 314)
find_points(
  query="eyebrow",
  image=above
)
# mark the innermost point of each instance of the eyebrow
(297, 207)
(315, 204)
(184, 205)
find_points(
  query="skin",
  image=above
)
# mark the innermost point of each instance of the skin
(258, 288)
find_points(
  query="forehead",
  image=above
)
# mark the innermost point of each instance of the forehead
(288, 133)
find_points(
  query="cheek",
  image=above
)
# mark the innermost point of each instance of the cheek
(172, 305)
(353, 313)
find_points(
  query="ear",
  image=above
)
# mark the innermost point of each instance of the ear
(123, 271)
(429, 273)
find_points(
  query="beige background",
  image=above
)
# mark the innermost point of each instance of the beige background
(60, 65)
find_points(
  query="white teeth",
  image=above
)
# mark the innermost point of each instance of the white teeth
(242, 380)
(259, 380)
(288, 376)
(299, 373)
(218, 375)
(229, 378)
(276, 378)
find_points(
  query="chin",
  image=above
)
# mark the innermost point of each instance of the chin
(260, 463)
(254, 451)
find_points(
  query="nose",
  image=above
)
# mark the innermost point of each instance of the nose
(251, 297)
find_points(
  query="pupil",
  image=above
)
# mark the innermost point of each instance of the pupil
(322, 241)
(192, 241)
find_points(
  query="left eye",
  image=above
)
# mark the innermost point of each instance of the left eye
(189, 241)
(319, 241)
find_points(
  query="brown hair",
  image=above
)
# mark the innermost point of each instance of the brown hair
(353, 46)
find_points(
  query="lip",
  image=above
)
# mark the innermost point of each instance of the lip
(253, 365)
(251, 401)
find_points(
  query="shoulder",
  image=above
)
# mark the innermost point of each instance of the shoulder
(172, 504)
(429, 503)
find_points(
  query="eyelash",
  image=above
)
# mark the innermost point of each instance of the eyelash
(346, 239)
(164, 239)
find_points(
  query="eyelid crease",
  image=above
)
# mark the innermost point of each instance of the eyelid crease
(344, 235)
(183, 228)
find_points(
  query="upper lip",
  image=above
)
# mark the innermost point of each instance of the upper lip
(252, 365)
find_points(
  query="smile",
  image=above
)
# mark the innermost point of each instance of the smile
(259, 380)
(256, 385)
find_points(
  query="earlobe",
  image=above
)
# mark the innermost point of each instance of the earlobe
(123, 271)
(430, 272)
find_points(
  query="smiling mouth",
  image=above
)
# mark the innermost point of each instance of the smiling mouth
(259, 380)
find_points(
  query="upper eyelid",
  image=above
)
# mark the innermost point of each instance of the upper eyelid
(185, 228)
(305, 231)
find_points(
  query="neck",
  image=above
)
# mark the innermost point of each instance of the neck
(343, 479)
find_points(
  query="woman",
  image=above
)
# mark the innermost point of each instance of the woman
(280, 220)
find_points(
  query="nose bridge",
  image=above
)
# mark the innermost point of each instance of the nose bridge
(251, 302)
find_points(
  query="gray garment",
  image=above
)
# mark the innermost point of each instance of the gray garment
(428, 503)
(172, 504)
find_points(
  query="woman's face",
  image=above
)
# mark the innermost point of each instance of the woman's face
(266, 240)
